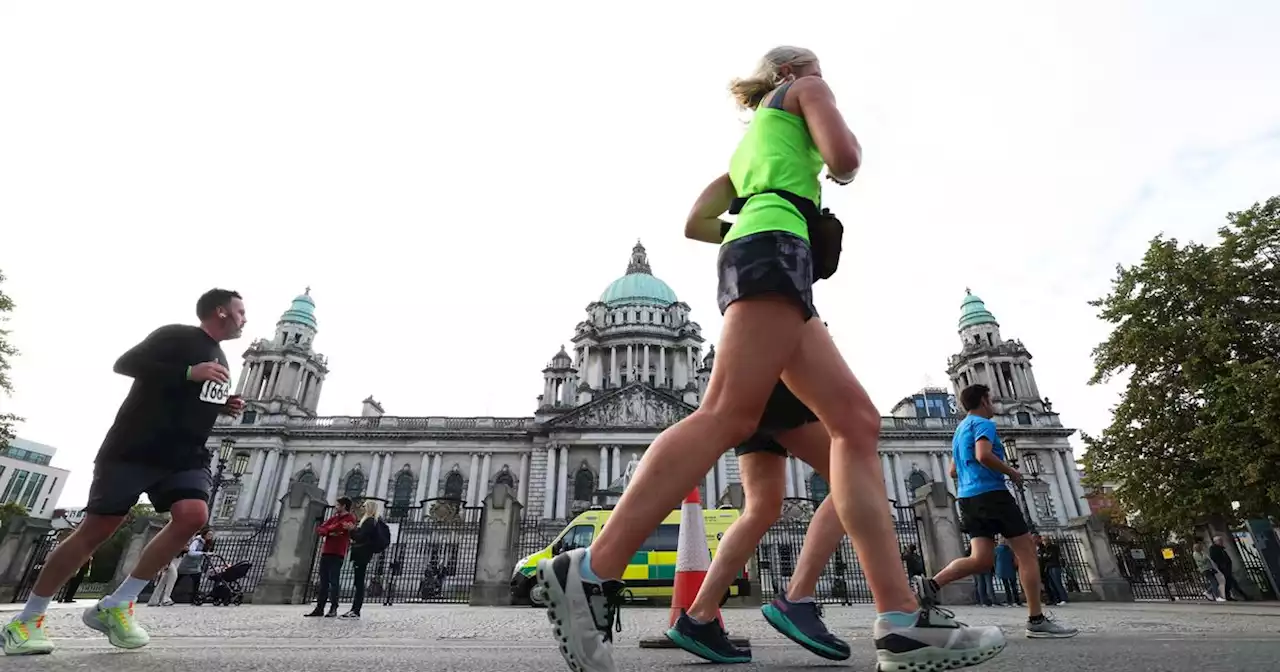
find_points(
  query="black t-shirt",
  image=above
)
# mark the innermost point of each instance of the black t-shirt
(166, 419)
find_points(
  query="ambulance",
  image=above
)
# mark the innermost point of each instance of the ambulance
(652, 570)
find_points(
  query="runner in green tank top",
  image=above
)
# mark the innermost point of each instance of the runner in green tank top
(766, 271)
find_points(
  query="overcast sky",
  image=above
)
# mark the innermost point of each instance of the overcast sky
(457, 184)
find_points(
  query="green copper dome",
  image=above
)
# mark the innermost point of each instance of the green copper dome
(638, 285)
(974, 312)
(303, 310)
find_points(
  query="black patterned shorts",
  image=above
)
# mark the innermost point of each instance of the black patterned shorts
(766, 263)
(783, 412)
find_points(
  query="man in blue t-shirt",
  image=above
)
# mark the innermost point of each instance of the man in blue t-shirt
(988, 509)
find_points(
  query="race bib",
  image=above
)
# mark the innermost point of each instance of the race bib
(215, 393)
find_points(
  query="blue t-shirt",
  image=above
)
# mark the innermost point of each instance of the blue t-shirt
(975, 479)
(1005, 566)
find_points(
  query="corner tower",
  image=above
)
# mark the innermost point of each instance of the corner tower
(985, 357)
(284, 375)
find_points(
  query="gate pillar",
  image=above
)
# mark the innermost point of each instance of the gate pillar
(288, 567)
(1105, 579)
(498, 548)
(21, 539)
(940, 538)
(141, 532)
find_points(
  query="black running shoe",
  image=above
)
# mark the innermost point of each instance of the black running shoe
(801, 622)
(708, 641)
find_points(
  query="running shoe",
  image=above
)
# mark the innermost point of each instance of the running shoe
(26, 638)
(708, 641)
(118, 624)
(1047, 628)
(583, 612)
(936, 641)
(801, 622)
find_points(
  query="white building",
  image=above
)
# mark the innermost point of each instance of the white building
(635, 366)
(27, 478)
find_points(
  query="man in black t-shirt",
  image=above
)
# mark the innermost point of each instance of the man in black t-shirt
(181, 384)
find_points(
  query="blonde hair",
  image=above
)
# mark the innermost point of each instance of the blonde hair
(749, 92)
(370, 509)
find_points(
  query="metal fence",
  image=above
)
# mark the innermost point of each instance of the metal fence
(1156, 567)
(43, 546)
(842, 580)
(1257, 571)
(432, 556)
(236, 543)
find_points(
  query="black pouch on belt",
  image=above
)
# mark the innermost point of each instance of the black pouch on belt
(826, 232)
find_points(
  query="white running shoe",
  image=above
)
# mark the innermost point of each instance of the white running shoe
(583, 613)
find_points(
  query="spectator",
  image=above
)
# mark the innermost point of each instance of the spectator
(1050, 556)
(1222, 560)
(336, 535)
(1007, 571)
(191, 562)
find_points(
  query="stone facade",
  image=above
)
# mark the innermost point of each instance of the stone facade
(636, 365)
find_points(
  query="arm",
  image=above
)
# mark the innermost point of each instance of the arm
(704, 220)
(323, 529)
(837, 144)
(151, 359)
(953, 470)
(196, 548)
(986, 455)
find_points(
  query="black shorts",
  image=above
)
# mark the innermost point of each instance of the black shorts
(992, 513)
(784, 411)
(766, 263)
(117, 486)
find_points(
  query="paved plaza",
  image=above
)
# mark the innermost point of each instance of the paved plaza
(1149, 637)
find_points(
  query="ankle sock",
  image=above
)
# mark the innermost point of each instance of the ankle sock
(934, 585)
(35, 606)
(802, 600)
(125, 593)
(585, 568)
(1038, 618)
(900, 619)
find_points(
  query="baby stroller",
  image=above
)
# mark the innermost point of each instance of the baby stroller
(226, 589)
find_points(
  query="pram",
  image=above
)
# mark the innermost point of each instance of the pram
(226, 589)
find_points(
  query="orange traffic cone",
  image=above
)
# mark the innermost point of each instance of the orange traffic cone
(693, 561)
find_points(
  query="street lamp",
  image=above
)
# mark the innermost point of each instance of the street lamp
(1032, 475)
(239, 463)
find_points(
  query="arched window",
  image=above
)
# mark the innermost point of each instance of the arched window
(818, 488)
(584, 484)
(453, 485)
(402, 493)
(915, 481)
(505, 477)
(355, 485)
(309, 477)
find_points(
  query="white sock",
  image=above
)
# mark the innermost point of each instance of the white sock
(35, 606)
(126, 593)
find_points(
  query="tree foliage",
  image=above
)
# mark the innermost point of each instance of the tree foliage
(10, 510)
(1197, 331)
(7, 353)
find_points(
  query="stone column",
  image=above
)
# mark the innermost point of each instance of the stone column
(946, 472)
(244, 505)
(562, 485)
(549, 486)
(265, 489)
(941, 539)
(371, 485)
(486, 473)
(722, 481)
(662, 366)
(141, 532)
(388, 473)
(887, 471)
(899, 476)
(935, 466)
(645, 373)
(288, 568)
(604, 468)
(286, 476)
(790, 478)
(710, 483)
(473, 480)
(424, 475)
(1105, 579)
(1067, 499)
(326, 464)
(1073, 479)
(433, 485)
(613, 366)
(335, 478)
(617, 463)
(275, 376)
(522, 493)
(498, 548)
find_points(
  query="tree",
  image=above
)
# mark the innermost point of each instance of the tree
(1197, 331)
(10, 510)
(7, 352)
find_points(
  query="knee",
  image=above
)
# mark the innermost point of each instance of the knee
(187, 517)
(858, 425)
(759, 516)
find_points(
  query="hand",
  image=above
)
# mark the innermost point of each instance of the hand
(1015, 475)
(209, 371)
(234, 407)
(348, 526)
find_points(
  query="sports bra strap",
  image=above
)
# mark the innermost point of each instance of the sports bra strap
(780, 95)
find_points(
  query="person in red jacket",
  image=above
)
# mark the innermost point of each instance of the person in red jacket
(336, 535)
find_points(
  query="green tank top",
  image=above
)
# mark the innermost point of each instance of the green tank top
(777, 152)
